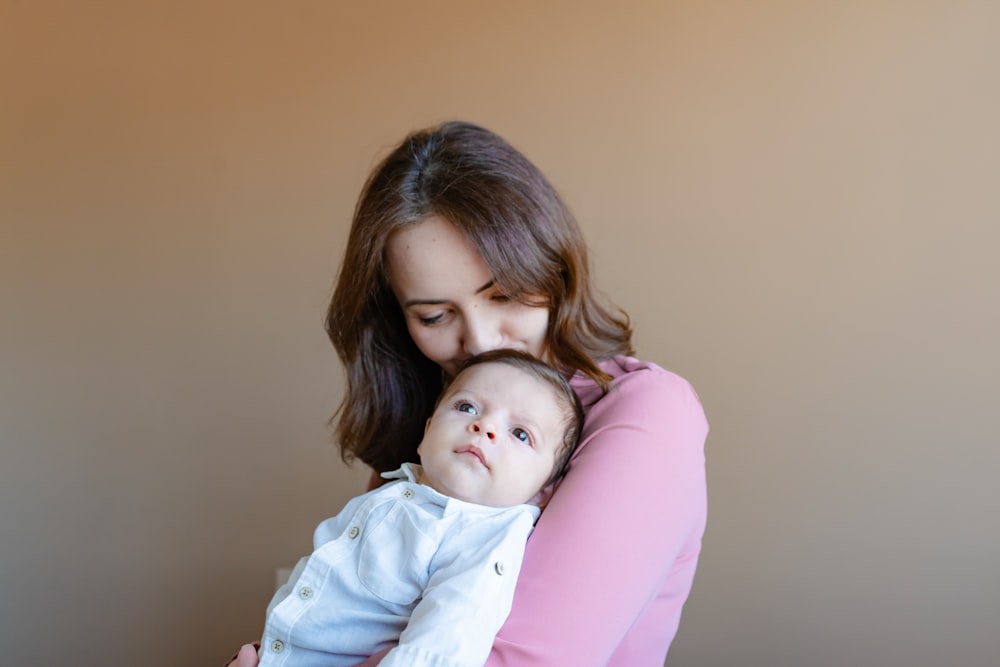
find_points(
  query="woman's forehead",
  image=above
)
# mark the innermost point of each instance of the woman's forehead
(433, 255)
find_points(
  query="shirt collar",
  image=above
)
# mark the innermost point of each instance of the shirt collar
(410, 472)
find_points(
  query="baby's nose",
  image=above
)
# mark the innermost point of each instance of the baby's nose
(489, 434)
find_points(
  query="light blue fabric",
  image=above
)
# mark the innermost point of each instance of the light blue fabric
(406, 563)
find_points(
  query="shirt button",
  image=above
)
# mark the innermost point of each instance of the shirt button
(408, 493)
(499, 568)
(353, 532)
(305, 593)
(277, 645)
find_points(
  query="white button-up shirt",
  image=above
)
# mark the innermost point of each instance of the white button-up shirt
(400, 563)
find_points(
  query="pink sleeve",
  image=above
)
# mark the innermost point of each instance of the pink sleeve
(612, 558)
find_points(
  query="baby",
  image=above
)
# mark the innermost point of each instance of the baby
(428, 561)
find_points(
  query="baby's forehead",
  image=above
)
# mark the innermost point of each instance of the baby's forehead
(482, 374)
(527, 397)
(497, 381)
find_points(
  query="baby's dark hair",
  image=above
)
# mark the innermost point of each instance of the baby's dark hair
(565, 396)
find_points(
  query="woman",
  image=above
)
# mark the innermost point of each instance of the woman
(460, 245)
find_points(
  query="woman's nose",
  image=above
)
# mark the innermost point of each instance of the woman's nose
(486, 430)
(481, 335)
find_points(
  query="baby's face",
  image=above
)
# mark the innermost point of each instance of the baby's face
(494, 437)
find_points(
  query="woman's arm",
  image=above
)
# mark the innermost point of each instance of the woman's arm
(611, 559)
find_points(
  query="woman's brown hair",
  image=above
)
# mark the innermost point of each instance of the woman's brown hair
(524, 232)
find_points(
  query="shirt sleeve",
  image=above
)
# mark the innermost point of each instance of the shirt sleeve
(613, 553)
(468, 595)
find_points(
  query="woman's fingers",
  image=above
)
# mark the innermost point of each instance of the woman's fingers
(247, 657)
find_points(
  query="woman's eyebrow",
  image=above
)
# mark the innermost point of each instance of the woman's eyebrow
(425, 302)
(439, 302)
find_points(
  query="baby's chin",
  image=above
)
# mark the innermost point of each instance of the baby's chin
(458, 491)
(472, 485)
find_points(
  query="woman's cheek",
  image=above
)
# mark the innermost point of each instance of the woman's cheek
(432, 343)
(532, 325)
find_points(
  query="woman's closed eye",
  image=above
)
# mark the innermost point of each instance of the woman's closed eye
(525, 299)
(431, 320)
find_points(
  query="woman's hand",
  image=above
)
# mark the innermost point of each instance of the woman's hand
(247, 657)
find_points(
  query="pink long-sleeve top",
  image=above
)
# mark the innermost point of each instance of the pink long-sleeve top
(612, 558)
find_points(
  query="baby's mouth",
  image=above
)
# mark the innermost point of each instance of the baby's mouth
(472, 450)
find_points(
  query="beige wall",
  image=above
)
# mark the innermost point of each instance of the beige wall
(797, 202)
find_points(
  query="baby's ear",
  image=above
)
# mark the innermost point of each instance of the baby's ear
(542, 498)
(427, 425)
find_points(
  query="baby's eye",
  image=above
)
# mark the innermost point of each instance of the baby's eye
(465, 406)
(521, 435)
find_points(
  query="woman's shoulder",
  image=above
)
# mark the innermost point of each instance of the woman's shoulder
(637, 383)
(629, 369)
(646, 409)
